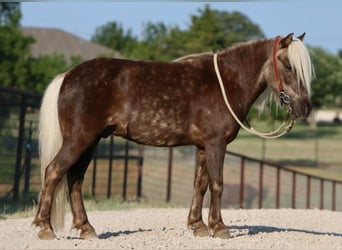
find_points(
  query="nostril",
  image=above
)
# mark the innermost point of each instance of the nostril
(307, 109)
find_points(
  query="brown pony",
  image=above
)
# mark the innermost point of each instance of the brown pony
(161, 104)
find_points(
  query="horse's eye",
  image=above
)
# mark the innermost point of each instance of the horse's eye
(288, 67)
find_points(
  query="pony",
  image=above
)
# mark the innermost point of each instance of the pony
(162, 104)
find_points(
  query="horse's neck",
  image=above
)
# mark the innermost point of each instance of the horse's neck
(247, 61)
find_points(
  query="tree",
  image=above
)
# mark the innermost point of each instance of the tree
(112, 35)
(209, 30)
(327, 85)
(9, 14)
(154, 43)
(213, 30)
(14, 47)
(41, 71)
(18, 67)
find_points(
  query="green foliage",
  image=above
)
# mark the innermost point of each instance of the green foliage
(14, 52)
(10, 14)
(18, 68)
(112, 35)
(213, 30)
(209, 30)
(43, 69)
(327, 86)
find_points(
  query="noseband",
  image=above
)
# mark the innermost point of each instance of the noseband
(286, 126)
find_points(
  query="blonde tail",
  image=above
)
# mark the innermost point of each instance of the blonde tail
(50, 142)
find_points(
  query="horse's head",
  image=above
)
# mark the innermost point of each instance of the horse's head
(289, 72)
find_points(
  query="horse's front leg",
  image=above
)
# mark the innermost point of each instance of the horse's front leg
(215, 160)
(75, 176)
(195, 221)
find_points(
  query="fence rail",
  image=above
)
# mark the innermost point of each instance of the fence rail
(294, 173)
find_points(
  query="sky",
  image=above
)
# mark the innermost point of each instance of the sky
(320, 19)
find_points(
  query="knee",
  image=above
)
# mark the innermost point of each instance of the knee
(217, 188)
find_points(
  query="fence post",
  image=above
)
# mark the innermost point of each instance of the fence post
(242, 175)
(261, 183)
(321, 196)
(140, 168)
(124, 188)
(169, 175)
(21, 134)
(308, 191)
(294, 190)
(93, 185)
(278, 188)
(27, 164)
(333, 205)
(109, 187)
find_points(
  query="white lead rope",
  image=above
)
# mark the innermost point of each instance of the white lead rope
(268, 135)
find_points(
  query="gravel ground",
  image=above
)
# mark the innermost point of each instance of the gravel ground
(166, 229)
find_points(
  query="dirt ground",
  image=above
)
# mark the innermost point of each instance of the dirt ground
(165, 228)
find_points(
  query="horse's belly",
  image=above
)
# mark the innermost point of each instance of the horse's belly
(157, 135)
(156, 128)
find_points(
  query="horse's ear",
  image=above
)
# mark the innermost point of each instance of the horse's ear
(284, 43)
(301, 37)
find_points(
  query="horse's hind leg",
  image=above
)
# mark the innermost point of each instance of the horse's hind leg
(75, 176)
(54, 173)
(201, 181)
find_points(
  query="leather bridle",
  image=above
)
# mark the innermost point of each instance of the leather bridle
(284, 98)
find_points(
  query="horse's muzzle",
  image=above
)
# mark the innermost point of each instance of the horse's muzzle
(301, 107)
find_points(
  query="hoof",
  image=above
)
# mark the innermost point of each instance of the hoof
(46, 234)
(199, 229)
(201, 232)
(222, 233)
(87, 232)
(88, 235)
